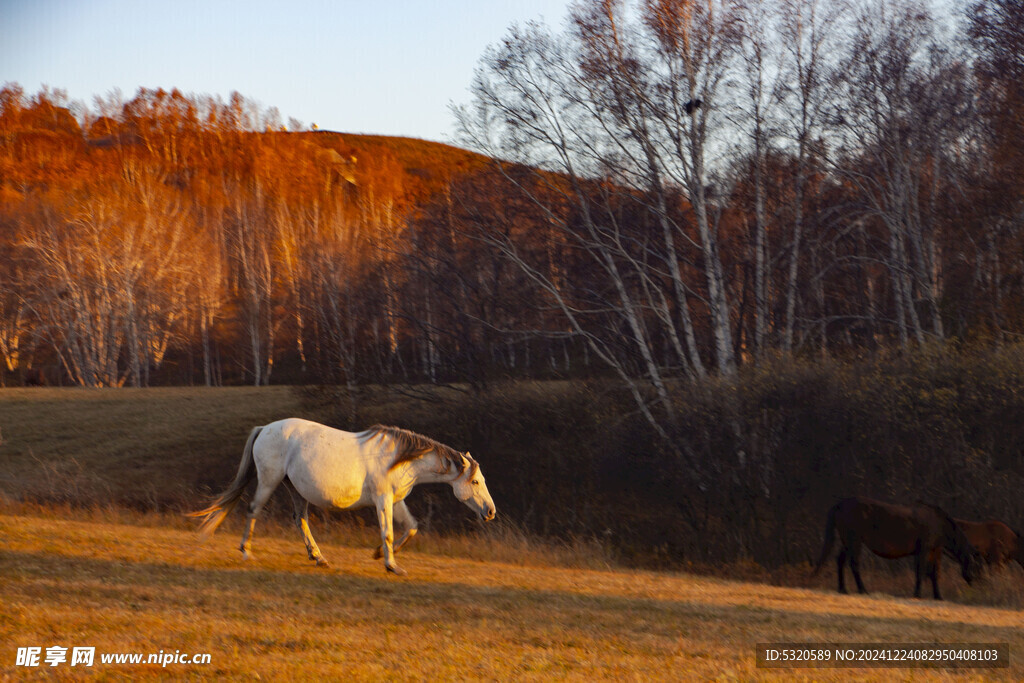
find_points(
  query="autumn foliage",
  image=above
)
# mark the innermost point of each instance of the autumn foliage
(184, 239)
(620, 225)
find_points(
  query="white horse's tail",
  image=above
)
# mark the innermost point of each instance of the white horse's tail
(226, 502)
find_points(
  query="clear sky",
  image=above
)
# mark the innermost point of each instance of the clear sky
(360, 66)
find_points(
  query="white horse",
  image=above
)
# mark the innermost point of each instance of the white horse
(341, 470)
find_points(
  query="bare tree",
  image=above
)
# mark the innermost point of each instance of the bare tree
(251, 248)
(615, 64)
(809, 32)
(608, 129)
(112, 273)
(907, 103)
(532, 105)
(334, 277)
(996, 29)
(16, 322)
(760, 94)
(696, 41)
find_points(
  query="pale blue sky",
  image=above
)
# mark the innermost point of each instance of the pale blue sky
(359, 66)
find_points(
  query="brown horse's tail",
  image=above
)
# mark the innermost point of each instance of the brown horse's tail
(226, 502)
(830, 538)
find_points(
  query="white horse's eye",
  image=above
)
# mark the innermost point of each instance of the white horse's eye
(476, 482)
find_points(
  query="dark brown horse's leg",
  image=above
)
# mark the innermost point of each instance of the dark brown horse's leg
(855, 567)
(933, 574)
(919, 561)
(841, 569)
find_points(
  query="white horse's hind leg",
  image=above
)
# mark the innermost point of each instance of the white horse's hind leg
(301, 518)
(402, 517)
(263, 493)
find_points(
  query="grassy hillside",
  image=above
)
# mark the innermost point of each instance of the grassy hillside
(133, 587)
(427, 165)
(146, 448)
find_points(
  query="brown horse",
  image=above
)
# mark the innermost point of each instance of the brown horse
(996, 542)
(893, 531)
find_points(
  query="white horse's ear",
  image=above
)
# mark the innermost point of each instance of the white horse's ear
(470, 465)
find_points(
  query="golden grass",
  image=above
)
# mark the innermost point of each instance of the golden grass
(125, 585)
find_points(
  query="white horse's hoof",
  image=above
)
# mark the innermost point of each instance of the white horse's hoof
(397, 571)
(247, 556)
(321, 562)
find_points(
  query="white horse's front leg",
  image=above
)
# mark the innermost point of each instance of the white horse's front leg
(385, 517)
(402, 517)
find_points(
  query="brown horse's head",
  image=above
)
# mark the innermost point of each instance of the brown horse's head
(971, 568)
(1018, 547)
(971, 561)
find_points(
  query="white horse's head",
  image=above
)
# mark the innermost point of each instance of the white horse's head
(470, 488)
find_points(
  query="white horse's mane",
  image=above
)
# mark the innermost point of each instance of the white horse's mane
(410, 445)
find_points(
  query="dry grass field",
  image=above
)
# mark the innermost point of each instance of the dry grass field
(95, 553)
(145, 584)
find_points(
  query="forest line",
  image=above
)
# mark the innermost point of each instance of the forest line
(658, 194)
